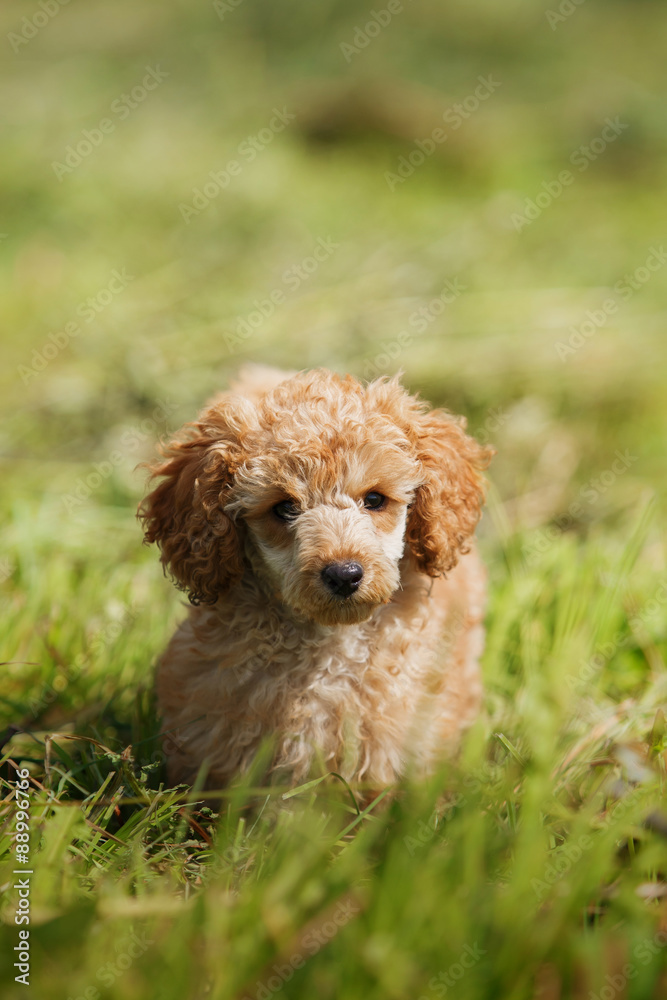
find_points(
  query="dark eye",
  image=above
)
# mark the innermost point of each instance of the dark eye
(286, 510)
(374, 501)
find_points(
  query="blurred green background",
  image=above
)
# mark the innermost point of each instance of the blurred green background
(473, 192)
(170, 333)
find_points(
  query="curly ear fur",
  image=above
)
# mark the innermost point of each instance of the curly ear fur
(200, 544)
(448, 503)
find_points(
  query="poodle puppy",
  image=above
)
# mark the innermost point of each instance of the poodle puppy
(323, 531)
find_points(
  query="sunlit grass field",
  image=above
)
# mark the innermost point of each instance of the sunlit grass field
(473, 193)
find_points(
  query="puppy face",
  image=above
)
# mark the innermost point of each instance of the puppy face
(328, 526)
(317, 486)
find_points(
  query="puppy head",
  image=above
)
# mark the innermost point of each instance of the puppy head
(317, 486)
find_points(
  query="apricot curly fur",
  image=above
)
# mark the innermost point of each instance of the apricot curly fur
(370, 682)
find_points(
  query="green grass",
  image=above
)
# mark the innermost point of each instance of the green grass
(532, 867)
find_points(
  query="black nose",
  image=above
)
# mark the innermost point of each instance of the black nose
(342, 579)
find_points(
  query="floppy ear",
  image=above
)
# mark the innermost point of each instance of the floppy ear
(200, 543)
(448, 504)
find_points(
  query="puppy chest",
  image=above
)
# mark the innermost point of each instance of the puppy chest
(349, 682)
